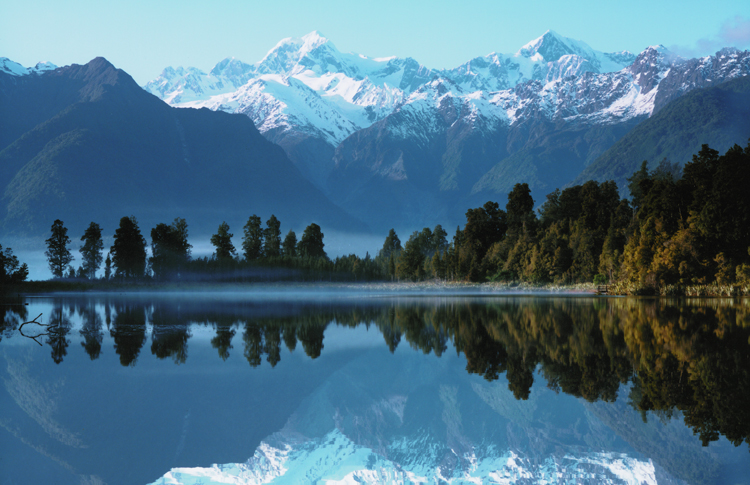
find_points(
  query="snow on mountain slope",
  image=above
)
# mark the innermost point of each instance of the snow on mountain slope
(348, 92)
(335, 459)
(304, 84)
(15, 69)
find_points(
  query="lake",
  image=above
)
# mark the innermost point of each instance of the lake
(306, 386)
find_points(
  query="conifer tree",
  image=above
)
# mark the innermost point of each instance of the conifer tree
(91, 251)
(58, 254)
(222, 240)
(129, 249)
(290, 244)
(311, 244)
(272, 238)
(252, 241)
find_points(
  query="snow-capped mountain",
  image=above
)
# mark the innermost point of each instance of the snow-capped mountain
(402, 145)
(15, 69)
(356, 126)
(304, 84)
(307, 85)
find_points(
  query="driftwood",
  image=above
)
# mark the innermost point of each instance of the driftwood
(50, 331)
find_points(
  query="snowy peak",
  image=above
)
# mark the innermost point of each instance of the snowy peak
(551, 46)
(289, 52)
(233, 69)
(15, 69)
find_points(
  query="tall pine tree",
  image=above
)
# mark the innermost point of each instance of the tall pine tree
(58, 254)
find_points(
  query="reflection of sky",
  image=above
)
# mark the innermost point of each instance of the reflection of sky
(163, 415)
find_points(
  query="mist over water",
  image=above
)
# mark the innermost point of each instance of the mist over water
(337, 243)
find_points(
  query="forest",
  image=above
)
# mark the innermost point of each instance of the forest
(683, 230)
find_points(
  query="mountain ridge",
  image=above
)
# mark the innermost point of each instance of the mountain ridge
(108, 149)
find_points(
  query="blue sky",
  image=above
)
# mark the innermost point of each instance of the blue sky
(143, 37)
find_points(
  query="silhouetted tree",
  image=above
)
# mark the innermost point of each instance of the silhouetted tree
(107, 267)
(392, 245)
(11, 270)
(91, 251)
(222, 240)
(170, 248)
(290, 244)
(252, 241)
(58, 254)
(272, 238)
(311, 244)
(129, 249)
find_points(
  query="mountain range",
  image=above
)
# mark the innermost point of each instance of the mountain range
(86, 143)
(392, 142)
(398, 143)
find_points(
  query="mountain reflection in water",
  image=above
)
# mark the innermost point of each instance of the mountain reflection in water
(685, 360)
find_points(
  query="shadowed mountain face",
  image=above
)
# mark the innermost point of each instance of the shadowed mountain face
(85, 143)
(406, 146)
(718, 116)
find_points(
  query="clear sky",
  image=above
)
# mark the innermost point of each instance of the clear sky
(144, 36)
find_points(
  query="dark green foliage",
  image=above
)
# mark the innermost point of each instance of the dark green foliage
(692, 230)
(91, 251)
(58, 254)
(289, 247)
(272, 238)
(520, 207)
(719, 115)
(484, 226)
(129, 250)
(252, 240)
(222, 241)
(392, 245)
(311, 243)
(411, 260)
(11, 271)
(170, 249)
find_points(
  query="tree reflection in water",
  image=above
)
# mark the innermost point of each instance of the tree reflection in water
(686, 357)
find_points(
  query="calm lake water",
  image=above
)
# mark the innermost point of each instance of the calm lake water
(328, 387)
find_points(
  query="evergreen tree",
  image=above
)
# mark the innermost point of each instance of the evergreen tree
(252, 241)
(91, 251)
(391, 246)
(520, 208)
(311, 244)
(107, 267)
(290, 244)
(11, 271)
(222, 240)
(169, 248)
(58, 254)
(439, 239)
(272, 238)
(129, 249)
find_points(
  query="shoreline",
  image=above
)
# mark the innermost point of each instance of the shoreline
(440, 288)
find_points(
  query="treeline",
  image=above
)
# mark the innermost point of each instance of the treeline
(681, 228)
(264, 255)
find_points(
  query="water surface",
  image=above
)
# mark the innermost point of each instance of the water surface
(309, 386)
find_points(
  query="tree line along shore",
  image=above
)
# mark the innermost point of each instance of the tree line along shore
(683, 231)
